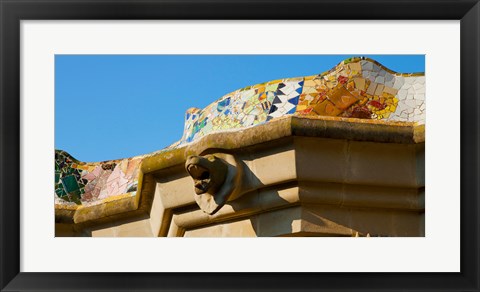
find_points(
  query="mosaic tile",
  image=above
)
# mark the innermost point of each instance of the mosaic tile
(83, 183)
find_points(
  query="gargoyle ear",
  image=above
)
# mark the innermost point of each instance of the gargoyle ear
(191, 116)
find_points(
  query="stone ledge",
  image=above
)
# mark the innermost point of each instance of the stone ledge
(323, 127)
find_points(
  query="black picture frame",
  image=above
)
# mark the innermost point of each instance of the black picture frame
(13, 11)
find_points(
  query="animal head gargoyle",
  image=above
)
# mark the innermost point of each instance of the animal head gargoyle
(216, 178)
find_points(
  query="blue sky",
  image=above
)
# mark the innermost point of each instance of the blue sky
(116, 106)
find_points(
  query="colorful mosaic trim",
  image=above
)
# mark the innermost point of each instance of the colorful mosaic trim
(356, 88)
(87, 183)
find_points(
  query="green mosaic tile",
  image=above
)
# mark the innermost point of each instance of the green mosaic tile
(60, 192)
(70, 184)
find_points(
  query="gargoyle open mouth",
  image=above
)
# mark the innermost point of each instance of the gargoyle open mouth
(201, 177)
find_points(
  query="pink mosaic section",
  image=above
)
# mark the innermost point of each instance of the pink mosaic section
(88, 183)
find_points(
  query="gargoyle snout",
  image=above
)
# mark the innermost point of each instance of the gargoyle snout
(199, 169)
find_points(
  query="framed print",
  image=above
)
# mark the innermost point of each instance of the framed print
(355, 93)
(357, 174)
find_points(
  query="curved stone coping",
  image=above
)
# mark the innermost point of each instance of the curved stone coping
(324, 127)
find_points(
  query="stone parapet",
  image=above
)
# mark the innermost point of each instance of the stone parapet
(377, 170)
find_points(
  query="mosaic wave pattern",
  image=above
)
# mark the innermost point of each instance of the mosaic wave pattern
(357, 88)
(86, 183)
